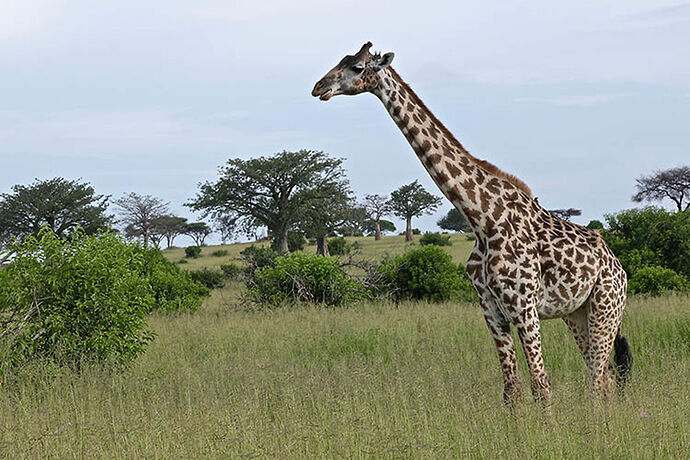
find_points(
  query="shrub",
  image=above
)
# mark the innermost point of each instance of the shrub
(182, 261)
(296, 241)
(425, 273)
(73, 301)
(415, 231)
(471, 237)
(192, 252)
(435, 238)
(174, 290)
(305, 278)
(595, 225)
(231, 270)
(338, 246)
(657, 280)
(210, 278)
(257, 257)
(466, 291)
(220, 253)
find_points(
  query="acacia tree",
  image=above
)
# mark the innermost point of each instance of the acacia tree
(673, 184)
(198, 231)
(328, 214)
(62, 204)
(369, 226)
(140, 213)
(272, 192)
(454, 221)
(169, 227)
(377, 206)
(566, 214)
(412, 200)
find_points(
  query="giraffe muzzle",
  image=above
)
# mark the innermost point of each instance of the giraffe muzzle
(321, 91)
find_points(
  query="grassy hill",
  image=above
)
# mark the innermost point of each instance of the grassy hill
(375, 380)
(369, 248)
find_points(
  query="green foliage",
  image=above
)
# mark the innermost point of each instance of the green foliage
(212, 279)
(369, 226)
(425, 273)
(454, 221)
(231, 270)
(471, 237)
(59, 203)
(436, 239)
(412, 200)
(220, 253)
(305, 278)
(650, 237)
(182, 261)
(74, 301)
(258, 257)
(274, 191)
(657, 280)
(192, 252)
(174, 290)
(415, 231)
(296, 241)
(338, 246)
(595, 225)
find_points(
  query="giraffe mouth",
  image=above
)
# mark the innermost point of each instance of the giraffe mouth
(326, 95)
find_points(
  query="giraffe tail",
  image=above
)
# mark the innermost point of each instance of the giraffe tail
(622, 357)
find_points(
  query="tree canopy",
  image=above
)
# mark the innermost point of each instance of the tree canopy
(672, 184)
(273, 191)
(140, 213)
(566, 214)
(377, 206)
(454, 221)
(198, 231)
(412, 200)
(62, 204)
(369, 226)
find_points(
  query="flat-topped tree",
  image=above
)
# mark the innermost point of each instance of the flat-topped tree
(527, 264)
(410, 201)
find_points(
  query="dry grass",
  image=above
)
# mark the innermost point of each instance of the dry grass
(374, 380)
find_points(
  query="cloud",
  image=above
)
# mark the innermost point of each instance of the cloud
(575, 100)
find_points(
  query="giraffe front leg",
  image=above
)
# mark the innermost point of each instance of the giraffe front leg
(526, 321)
(499, 328)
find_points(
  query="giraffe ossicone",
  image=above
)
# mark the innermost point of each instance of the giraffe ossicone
(527, 264)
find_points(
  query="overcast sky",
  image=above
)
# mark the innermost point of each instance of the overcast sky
(152, 96)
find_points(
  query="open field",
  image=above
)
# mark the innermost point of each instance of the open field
(375, 380)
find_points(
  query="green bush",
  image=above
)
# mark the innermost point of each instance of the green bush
(657, 280)
(74, 301)
(296, 241)
(174, 290)
(192, 252)
(425, 273)
(182, 261)
(231, 270)
(305, 278)
(471, 237)
(212, 279)
(435, 238)
(257, 257)
(220, 253)
(338, 246)
(595, 225)
(466, 291)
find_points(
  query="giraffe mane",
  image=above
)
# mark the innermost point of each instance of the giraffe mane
(485, 165)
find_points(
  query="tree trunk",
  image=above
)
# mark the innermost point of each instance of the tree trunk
(408, 231)
(377, 235)
(146, 239)
(282, 245)
(322, 246)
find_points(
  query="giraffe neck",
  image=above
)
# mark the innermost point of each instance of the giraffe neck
(474, 186)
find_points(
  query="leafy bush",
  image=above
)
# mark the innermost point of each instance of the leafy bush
(220, 253)
(595, 225)
(182, 261)
(415, 231)
(657, 280)
(73, 301)
(231, 270)
(435, 238)
(296, 241)
(257, 257)
(210, 278)
(192, 252)
(425, 273)
(305, 278)
(174, 290)
(338, 246)
(466, 291)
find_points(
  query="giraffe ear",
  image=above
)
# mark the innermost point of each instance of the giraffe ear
(384, 61)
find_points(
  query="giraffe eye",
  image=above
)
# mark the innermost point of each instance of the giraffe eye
(357, 68)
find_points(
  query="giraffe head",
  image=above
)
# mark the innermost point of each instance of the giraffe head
(353, 75)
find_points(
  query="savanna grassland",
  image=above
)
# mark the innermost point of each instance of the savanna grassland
(375, 380)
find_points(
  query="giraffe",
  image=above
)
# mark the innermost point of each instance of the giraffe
(527, 264)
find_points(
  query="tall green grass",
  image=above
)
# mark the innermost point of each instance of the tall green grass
(375, 380)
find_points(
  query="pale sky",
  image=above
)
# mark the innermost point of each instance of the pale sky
(575, 98)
